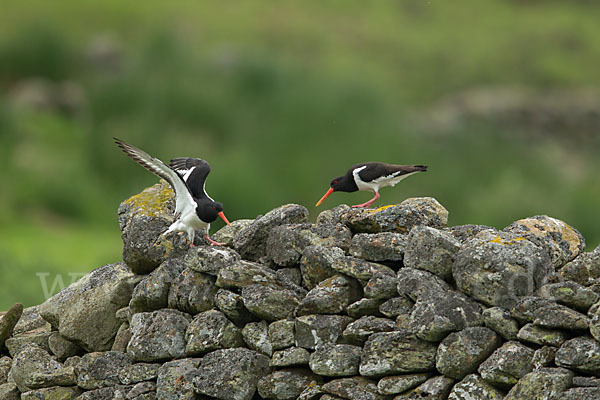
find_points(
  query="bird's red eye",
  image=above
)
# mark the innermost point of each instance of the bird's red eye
(335, 182)
(215, 208)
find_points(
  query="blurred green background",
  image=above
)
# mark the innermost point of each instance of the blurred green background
(500, 98)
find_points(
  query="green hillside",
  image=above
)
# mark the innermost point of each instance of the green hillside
(280, 97)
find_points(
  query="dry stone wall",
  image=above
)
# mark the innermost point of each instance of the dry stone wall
(385, 303)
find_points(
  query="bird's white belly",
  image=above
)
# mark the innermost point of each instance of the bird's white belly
(378, 183)
(188, 220)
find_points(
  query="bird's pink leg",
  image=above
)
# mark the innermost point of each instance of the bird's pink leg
(213, 242)
(368, 203)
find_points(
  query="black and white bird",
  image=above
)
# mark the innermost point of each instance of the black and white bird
(371, 176)
(194, 209)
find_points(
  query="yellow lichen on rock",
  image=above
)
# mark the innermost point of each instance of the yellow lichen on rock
(503, 242)
(151, 201)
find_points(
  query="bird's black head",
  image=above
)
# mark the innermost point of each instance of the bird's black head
(209, 210)
(343, 184)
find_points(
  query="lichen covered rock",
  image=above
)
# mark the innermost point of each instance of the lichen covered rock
(397, 218)
(498, 268)
(84, 312)
(143, 218)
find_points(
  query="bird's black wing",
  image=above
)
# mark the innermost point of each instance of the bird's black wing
(375, 170)
(194, 172)
(183, 198)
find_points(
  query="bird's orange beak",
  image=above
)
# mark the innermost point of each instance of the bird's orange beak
(223, 217)
(324, 196)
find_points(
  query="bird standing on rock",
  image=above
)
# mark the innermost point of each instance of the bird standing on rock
(194, 209)
(371, 176)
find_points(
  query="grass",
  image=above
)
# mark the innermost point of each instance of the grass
(279, 98)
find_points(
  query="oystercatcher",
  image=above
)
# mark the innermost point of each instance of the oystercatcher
(371, 176)
(194, 209)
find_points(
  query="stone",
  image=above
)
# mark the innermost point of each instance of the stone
(38, 337)
(282, 333)
(232, 305)
(543, 383)
(384, 246)
(595, 325)
(285, 384)
(285, 243)
(390, 353)
(52, 393)
(256, 336)
(544, 357)
(381, 287)
(581, 393)
(463, 233)
(332, 216)
(245, 273)
(335, 360)
(9, 391)
(500, 321)
(333, 235)
(292, 356)
(414, 283)
(549, 314)
(436, 388)
(498, 268)
(432, 250)
(192, 292)
(396, 306)
(312, 392)
(564, 242)
(331, 296)
(112, 392)
(268, 303)
(359, 269)
(571, 294)
(399, 218)
(158, 335)
(507, 365)
(143, 391)
(460, 353)
(313, 331)
(436, 314)
(122, 338)
(5, 364)
(365, 307)
(231, 374)
(291, 274)
(33, 368)
(353, 388)
(251, 241)
(143, 218)
(581, 354)
(586, 381)
(211, 330)
(152, 293)
(584, 269)
(401, 383)
(175, 380)
(8, 322)
(30, 320)
(84, 312)
(315, 264)
(227, 233)
(61, 347)
(359, 331)
(100, 369)
(210, 259)
(139, 372)
(542, 336)
(473, 387)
